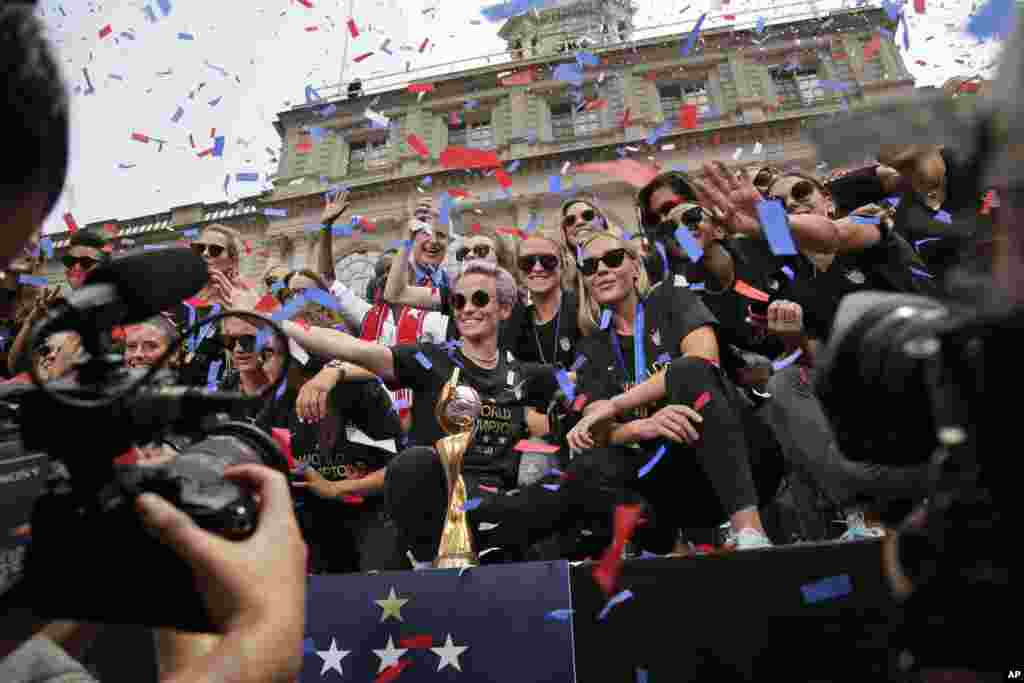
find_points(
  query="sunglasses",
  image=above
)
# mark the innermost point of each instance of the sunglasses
(480, 251)
(44, 350)
(800, 192)
(612, 259)
(585, 217)
(480, 299)
(214, 250)
(764, 178)
(246, 342)
(83, 262)
(547, 261)
(694, 215)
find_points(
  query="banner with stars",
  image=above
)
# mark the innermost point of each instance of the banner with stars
(486, 623)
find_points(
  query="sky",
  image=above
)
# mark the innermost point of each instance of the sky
(232, 65)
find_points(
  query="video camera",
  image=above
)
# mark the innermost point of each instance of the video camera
(90, 558)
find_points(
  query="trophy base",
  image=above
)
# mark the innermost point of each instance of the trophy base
(457, 561)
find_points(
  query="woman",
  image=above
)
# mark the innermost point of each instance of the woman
(147, 341)
(582, 214)
(272, 275)
(683, 437)
(415, 482)
(859, 255)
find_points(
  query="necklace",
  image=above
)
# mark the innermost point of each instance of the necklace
(558, 329)
(481, 361)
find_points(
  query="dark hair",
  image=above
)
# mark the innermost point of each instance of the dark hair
(90, 238)
(818, 185)
(677, 181)
(37, 111)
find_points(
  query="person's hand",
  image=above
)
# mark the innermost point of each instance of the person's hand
(735, 198)
(333, 208)
(785, 318)
(315, 482)
(232, 294)
(674, 422)
(311, 404)
(155, 454)
(246, 584)
(44, 302)
(884, 214)
(581, 436)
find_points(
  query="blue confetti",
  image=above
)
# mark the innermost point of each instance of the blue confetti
(565, 384)
(312, 95)
(125, 166)
(827, 589)
(943, 217)
(471, 104)
(664, 358)
(554, 184)
(994, 20)
(289, 311)
(165, 6)
(578, 363)
(606, 318)
(150, 15)
(658, 132)
(893, 201)
(689, 244)
(211, 376)
(641, 674)
(513, 167)
(247, 177)
(277, 286)
(788, 272)
(117, 77)
(427, 181)
(178, 114)
(662, 449)
(584, 58)
(186, 36)
(570, 73)
(263, 337)
(46, 244)
(559, 615)
(906, 34)
(342, 230)
(775, 226)
(325, 299)
(617, 599)
(423, 360)
(760, 25)
(866, 220)
(919, 243)
(836, 86)
(921, 273)
(32, 280)
(892, 9)
(507, 10)
(277, 213)
(472, 504)
(445, 210)
(215, 101)
(191, 232)
(532, 225)
(697, 287)
(308, 646)
(692, 40)
(552, 487)
(784, 363)
(329, 110)
(218, 146)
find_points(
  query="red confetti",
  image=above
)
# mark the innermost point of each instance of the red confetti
(625, 119)
(515, 232)
(105, 31)
(304, 148)
(579, 403)
(367, 225)
(423, 45)
(503, 178)
(140, 137)
(462, 157)
(392, 672)
(688, 116)
(283, 439)
(919, 6)
(362, 57)
(418, 145)
(191, 141)
(702, 401)
(525, 446)
(476, 228)
(596, 105)
(421, 87)
(268, 304)
(743, 289)
(987, 202)
(352, 500)
(519, 78)
(129, 457)
(351, 23)
(417, 642)
(310, 29)
(606, 573)
(968, 87)
(873, 47)
(196, 302)
(456, 192)
(729, 17)
(110, 228)
(248, 247)
(307, 3)
(651, 76)
(69, 220)
(205, 152)
(716, 139)
(921, 62)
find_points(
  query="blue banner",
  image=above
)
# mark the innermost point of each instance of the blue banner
(488, 623)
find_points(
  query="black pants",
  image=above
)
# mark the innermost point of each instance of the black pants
(344, 538)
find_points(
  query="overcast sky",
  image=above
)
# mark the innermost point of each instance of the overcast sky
(265, 52)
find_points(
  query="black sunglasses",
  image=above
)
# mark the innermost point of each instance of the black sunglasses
(693, 216)
(247, 342)
(764, 178)
(214, 250)
(480, 299)
(44, 350)
(83, 262)
(612, 259)
(547, 261)
(800, 192)
(480, 251)
(570, 220)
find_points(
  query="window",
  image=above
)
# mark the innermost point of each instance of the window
(797, 86)
(570, 120)
(367, 155)
(674, 95)
(473, 132)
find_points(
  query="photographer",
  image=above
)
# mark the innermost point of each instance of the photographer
(254, 590)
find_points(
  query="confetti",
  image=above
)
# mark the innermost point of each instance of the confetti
(688, 116)
(247, 177)
(775, 226)
(529, 446)
(186, 36)
(701, 401)
(32, 280)
(827, 589)
(922, 273)
(165, 6)
(606, 572)
(570, 73)
(46, 244)
(551, 487)
(692, 40)
(418, 145)
(658, 132)
(214, 102)
(361, 57)
(618, 599)
(423, 45)
(566, 385)
(662, 449)
(472, 504)
(423, 360)
(689, 244)
(943, 217)
(745, 290)
(559, 615)
(69, 220)
(784, 363)
(325, 299)
(218, 146)
(606, 319)
(105, 31)
(178, 114)
(554, 184)
(760, 25)
(352, 28)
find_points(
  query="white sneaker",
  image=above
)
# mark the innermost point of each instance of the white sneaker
(747, 539)
(858, 530)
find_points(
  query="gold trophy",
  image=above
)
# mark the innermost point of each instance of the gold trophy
(457, 410)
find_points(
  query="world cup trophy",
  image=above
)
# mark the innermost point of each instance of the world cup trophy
(457, 410)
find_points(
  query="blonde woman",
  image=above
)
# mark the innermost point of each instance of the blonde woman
(666, 418)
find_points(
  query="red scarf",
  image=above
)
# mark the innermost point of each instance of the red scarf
(410, 328)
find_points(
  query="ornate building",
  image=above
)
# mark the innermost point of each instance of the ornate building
(752, 91)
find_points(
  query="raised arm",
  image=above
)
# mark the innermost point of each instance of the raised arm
(376, 358)
(333, 208)
(398, 290)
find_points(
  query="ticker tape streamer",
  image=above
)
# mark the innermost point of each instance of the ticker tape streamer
(616, 599)
(783, 363)
(828, 588)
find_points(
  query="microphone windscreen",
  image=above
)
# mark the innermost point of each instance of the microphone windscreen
(151, 282)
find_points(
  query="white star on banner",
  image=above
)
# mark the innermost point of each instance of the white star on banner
(389, 655)
(332, 658)
(392, 606)
(449, 654)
